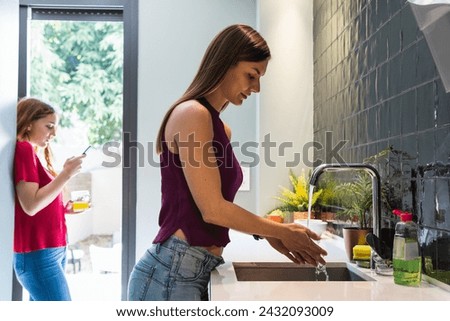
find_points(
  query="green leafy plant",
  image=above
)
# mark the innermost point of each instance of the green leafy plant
(297, 197)
(356, 198)
(78, 67)
(329, 198)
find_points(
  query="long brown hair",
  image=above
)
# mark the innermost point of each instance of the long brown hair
(28, 111)
(232, 45)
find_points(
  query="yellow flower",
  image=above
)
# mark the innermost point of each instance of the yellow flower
(297, 198)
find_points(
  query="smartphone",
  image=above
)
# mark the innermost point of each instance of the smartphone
(84, 153)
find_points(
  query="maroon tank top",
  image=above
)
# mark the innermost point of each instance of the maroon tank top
(178, 209)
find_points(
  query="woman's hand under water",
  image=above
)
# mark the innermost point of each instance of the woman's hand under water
(298, 245)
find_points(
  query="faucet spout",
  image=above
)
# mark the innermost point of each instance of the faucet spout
(376, 186)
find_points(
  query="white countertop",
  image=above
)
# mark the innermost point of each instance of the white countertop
(225, 287)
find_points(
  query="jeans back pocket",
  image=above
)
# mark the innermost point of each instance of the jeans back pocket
(188, 267)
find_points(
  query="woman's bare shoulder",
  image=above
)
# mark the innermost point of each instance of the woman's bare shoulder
(191, 108)
(187, 118)
(190, 113)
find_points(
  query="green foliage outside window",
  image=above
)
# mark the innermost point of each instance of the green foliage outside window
(78, 67)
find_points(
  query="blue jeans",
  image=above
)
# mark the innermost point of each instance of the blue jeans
(41, 273)
(172, 271)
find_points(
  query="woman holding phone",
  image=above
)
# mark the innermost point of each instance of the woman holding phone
(40, 232)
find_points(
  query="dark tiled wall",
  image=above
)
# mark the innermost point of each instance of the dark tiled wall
(376, 87)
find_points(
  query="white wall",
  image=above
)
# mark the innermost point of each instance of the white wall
(79, 226)
(9, 35)
(173, 36)
(107, 200)
(286, 99)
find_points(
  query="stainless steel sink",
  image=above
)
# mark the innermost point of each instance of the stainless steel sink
(281, 271)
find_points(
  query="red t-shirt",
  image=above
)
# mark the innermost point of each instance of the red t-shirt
(47, 228)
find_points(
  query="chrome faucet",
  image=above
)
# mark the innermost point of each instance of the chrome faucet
(376, 186)
(381, 262)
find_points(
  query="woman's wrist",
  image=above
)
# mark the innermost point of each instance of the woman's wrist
(64, 176)
(286, 232)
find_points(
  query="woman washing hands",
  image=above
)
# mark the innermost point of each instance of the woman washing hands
(40, 231)
(201, 175)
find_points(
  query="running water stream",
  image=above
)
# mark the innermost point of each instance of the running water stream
(320, 268)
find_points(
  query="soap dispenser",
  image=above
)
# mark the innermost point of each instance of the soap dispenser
(406, 259)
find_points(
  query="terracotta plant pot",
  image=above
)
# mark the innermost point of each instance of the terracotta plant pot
(354, 236)
(327, 216)
(302, 215)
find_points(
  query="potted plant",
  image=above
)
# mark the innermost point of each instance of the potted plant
(296, 199)
(356, 200)
(328, 203)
